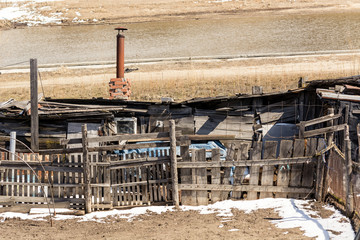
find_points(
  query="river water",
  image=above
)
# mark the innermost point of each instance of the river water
(187, 38)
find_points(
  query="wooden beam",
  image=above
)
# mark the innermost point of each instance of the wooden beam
(61, 151)
(38, 199)
(247, 163)
(321, 119)
(256, 188)
(128, 146)
(138, 137)
(210, 137)
(325, 130)
(34, 106)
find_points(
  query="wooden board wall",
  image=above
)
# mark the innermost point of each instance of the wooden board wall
(213, 124)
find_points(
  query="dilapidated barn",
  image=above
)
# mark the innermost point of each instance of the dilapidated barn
(101, 154)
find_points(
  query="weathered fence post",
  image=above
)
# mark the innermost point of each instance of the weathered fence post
(86, 170)
(348, 173)
(34, 106)
(174, 174)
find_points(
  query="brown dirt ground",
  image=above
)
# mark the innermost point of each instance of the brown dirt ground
(169, 225)
(123, 11)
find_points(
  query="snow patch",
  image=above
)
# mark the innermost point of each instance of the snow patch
(233, 230)
(12, 1)
(30, 15)
(220, 1)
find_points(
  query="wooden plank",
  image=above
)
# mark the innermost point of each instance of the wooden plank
(239, 126)
(226, 180)
(242, 155)
(144, 188)
(215, 175)
(254, 170)
(283, 179)
(320, 170)
(38, 199)
(349, 190)
(267, 178)
(127, 137)
(201, 178)
(325, 130)
(210, 137)
(129, 146)
(296, 169)
(278, 114)
(158, 177)
(322, 119)
(60, 151)
(107, 180)
(309, 168)
(185, 175)
(261, 189)
(47, 168)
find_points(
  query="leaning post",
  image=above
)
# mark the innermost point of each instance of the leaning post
(348, 174)
(86, 164)
(174, 173)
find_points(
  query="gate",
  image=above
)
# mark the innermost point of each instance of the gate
(132, 174)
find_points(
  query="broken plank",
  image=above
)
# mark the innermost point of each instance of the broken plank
(296, 169)
(286, 148)
(254, 170)
(267, 178)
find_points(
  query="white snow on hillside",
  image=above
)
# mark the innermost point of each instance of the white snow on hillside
(11, 1)
(293, 213)
(23, 12)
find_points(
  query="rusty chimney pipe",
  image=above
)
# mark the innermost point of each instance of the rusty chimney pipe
(120, 45)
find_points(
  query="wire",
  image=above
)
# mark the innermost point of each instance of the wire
(13, 64)
(42, 87)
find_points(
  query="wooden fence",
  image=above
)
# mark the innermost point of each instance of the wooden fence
(90, 177)
(143, 169)
(25, 180)
(263, 171)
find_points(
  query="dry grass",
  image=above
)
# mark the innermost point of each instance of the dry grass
(182, 81)
(178, 88)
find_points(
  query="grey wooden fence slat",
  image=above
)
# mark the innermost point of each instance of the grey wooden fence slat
(254, 170)
(283, 178)
(185, 175)
(309, 168)
(242, 155)
(296, 170)
(268, 171)
(215, 175)
(320, 171)
(226, 180)
(201, 178)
